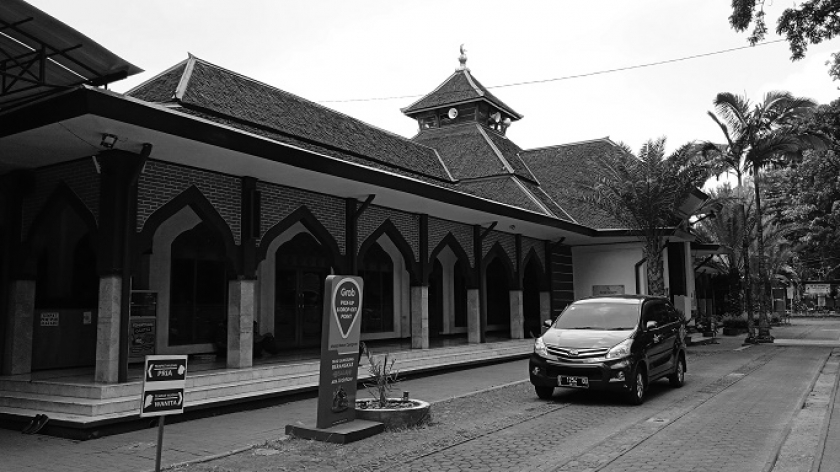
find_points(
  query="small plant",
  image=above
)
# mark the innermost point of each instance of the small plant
(382, 377)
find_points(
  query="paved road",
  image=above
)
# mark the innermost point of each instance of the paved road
(754, 408)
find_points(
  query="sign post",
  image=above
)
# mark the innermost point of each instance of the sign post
(164, 378)
(342, 322)
(339, 351)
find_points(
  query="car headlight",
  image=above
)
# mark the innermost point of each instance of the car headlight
(539, 348)
(620, 350)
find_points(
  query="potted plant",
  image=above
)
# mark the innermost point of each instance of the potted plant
(393, 412)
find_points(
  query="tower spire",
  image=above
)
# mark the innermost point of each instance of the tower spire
(463, 58)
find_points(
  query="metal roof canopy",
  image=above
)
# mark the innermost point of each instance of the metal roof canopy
(39, 55)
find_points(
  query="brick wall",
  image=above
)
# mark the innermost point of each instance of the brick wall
(277, 202)
(506, 240)
(79, 175)
(439, 228)
(562, 280)
(408, 225)
(539, 248)
(161, 181)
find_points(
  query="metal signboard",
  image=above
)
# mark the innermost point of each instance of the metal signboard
(339, 350)
(817, 289)
(164, 378)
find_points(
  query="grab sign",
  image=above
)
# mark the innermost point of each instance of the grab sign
(339, 350)
(164, 378)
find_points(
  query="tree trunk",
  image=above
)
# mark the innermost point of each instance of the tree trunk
(655, 270)
(763, 322)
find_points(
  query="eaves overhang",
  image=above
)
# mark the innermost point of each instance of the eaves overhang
(29, 139)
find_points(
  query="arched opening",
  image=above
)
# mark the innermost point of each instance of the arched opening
(66, 293)
(301, 267)
(531, 300)
(498, 298)
(198, 287)
(437, 298)
(460, 296)
(377, 270)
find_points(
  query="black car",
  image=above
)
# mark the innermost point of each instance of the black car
(620, 343)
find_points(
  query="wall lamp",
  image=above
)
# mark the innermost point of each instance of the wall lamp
(108, 141)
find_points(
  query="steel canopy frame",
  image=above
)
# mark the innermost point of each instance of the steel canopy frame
(39, 54)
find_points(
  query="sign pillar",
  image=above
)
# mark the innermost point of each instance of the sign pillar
(339, 351)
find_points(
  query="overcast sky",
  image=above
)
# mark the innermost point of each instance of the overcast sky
(337, 50)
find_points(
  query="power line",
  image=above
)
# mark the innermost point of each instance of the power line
(567, 77)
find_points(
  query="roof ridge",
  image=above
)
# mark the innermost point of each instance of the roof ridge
(495, 149)
(157, 76)
(576, 143)
(403, 109)
(531, 195)
(251, 79)
(185, 77)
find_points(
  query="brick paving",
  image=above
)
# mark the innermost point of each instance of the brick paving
(732, 414)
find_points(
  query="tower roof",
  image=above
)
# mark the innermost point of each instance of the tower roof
(460, 87)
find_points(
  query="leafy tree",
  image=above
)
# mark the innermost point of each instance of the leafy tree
(643, 192)
(805, 23)
(806, 197)
(759, 136)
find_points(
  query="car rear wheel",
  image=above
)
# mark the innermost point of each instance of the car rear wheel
(544, 393)
(636, 395)
(677, 379)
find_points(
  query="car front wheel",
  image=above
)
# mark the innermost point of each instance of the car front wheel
(636, 395)
(677, 379)
(544, 393)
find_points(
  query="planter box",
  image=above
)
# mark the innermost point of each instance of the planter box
(412, 415)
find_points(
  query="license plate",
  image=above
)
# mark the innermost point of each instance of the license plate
(570, 381)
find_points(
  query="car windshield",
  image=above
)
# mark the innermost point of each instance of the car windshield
(605, 316)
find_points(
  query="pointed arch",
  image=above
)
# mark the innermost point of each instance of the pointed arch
(532, 256)
(388, 228)
(195, 200)
(497, 251)
(304, 216)
(451, 241)
(63, 197)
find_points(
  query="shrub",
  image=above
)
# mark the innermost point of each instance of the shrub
(735, 322)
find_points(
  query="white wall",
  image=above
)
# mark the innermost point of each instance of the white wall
(605, 265)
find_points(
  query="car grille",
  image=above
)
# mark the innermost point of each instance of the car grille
(576, 354)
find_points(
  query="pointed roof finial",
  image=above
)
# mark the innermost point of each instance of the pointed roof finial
(463, 58)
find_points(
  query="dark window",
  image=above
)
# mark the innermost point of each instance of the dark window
(198, 287)
(460, 296)
(378, 303)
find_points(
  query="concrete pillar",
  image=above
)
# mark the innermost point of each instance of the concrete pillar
(473, 316)
(420, 317)
(240, 332)
(108, 330)
(21, 311)
(545, 308)
(517, 315)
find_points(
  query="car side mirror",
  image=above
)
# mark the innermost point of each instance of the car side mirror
(650, 325)
(547, 324)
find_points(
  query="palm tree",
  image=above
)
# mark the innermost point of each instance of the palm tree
(758, 136)
(644, 192)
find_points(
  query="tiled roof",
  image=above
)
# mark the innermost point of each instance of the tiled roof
(503, 189)
(160, 88)
(219, 93)
(562, 169)
(471, 151)
(458, 88)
